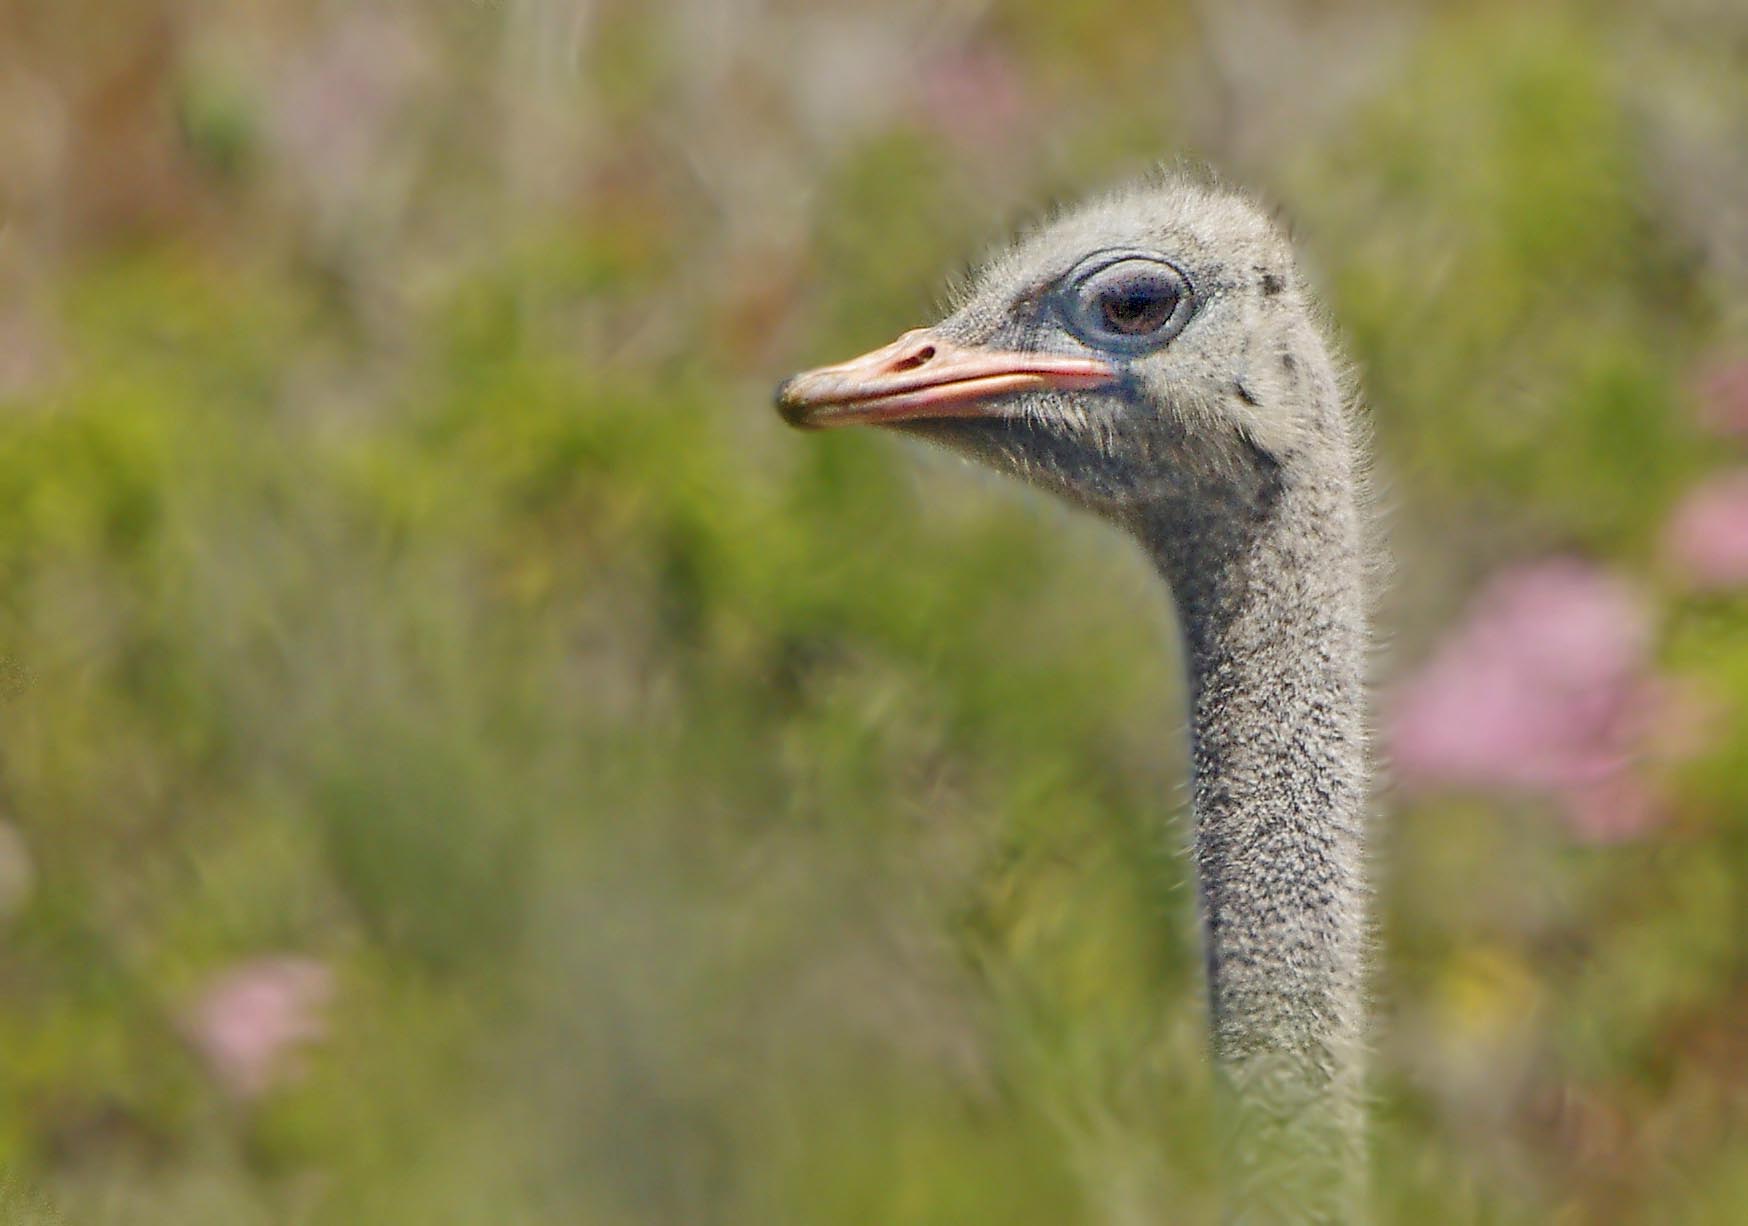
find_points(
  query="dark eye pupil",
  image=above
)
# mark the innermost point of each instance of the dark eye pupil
(1139, 308)
(1127, 303)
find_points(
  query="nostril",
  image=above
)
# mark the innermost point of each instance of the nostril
(913, 360)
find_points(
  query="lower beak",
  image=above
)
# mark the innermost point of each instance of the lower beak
(921, 375)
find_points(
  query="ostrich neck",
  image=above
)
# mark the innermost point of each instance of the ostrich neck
(1270, 596)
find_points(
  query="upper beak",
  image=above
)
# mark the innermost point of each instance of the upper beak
(921, 375)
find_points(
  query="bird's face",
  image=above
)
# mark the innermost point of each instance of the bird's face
(1142, 351)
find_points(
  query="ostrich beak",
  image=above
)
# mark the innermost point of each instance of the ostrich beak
(920, 375)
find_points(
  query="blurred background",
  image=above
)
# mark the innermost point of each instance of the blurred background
(463, 761)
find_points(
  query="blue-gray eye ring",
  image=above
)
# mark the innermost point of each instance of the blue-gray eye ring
(1126, 300)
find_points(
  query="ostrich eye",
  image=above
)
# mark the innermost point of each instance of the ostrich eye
(1138, 306)
(1130, 302)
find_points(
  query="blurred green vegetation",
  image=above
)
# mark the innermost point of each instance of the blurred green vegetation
(402, 568)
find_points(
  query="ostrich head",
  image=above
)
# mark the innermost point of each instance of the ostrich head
(1147, 354)
(1154, 357)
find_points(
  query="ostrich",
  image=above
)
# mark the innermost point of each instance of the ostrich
(1154, 357)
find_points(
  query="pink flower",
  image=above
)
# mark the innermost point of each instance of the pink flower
(1706, 539)
(249, 1023)
(27, 352)
(334, 111)
(974, 96)
(1544, 688)
(1723, 396)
